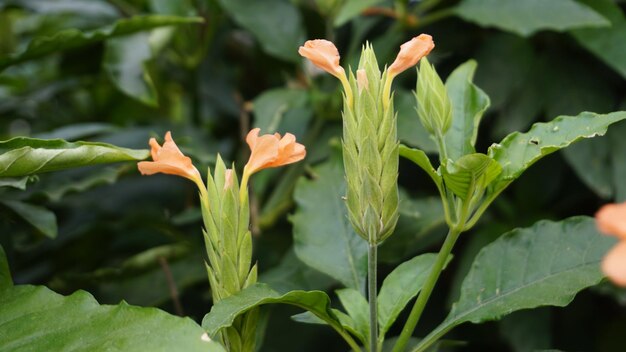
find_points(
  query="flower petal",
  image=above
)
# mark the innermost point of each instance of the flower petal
(323, 54)
(611, 220)
(168, 159)
(411, 52)
(272, 150)
(614, 264)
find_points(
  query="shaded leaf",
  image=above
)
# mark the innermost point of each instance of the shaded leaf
(351, 9)
(125, 60)
(223, 313)
(529, 16)
(400, 286)
(23, 156)
(15, 182)
(323, 236)
(546, 264)
(469, 174)
(73, 38)
(606, 43)
(40, 218)
(279, 29)
(358, 310)
(420, 159)
(410, 130)
(271, 106)
(468, 105)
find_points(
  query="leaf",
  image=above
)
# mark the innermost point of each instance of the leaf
(323, 236)
(400, 286)
(358, 310)
(18, 182)
(78, 131)
(224, 312)
(125, 62)
(34, 318)
(22, 156)
(41, 218)
(468, 105)
(279, 29)
(526, 17)
(528, 330)
(518, 151)
(351, 9)
(420, 159)
(74, 38)
(106, 176)
(546, 264)
(293, 274)
(606, 43)
(470, 174)
(271, 107)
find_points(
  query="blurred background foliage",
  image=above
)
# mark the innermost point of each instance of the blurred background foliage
(122, 71)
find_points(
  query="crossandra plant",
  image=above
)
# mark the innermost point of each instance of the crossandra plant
(546, 264)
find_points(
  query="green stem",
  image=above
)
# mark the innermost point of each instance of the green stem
(372, 295)
(423, 297)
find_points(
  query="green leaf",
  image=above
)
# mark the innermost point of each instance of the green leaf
(276, 24)
(518, 151)
(271, 106)
(17, 182)
(35, 318)
(546, 264)
(5, 274)
(358, 310)
(470, 174)
(106, 176)
(41, 218)
(606, 43)
(125, 62)
(223, 313)
(400, 286)
(23, 156)
(73, 38)
(292, 274)
(468, 105)
(351, 9)
(420, 159)
(526, 17)
(323, 236)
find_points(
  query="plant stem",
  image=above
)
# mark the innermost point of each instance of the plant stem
(372, 294)
(420, 303)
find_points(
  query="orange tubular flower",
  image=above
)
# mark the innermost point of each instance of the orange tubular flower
(611, 220)
(271, 151)
(168, 159)
(410, 53)
(324, 55)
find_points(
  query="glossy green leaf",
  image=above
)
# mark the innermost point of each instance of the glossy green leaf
(420, 159)
(34, 318)
(518, 151)
(223, 313)
(545, 264)
(279, 29)
(23, 156)
(40, 218)
(606, 43)
(323, 236)
(470, 173)
(351, 9)
(526, 17)
(400, 286)
(468, 106)
(125, 62)
(73, 38)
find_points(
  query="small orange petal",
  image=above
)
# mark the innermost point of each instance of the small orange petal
(228, 179)
(614, 264)
(361, 80)
(411, 52)
(611, 220)
(322, 54)
(272, 151)
(168, 159)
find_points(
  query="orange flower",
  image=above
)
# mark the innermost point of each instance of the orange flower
(324, 55)
(271, 151)
(611, 220)
(168, 159)
(410, 53)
